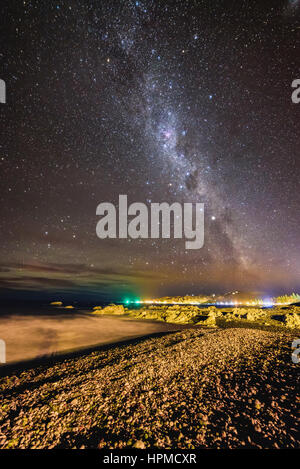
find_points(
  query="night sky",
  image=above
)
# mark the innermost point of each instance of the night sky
(165, 101)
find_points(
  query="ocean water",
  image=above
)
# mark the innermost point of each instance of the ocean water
(32, 331)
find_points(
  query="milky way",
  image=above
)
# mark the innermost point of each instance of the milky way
(178, 101)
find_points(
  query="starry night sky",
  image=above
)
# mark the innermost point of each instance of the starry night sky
(166, 101)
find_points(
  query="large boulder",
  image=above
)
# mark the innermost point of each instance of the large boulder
(292, 320)
(111, 309)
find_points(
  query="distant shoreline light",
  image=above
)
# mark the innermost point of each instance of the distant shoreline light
(261, 303)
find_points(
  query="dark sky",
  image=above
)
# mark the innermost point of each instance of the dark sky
(186, 101)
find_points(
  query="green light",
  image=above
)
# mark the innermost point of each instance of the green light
(127, 301)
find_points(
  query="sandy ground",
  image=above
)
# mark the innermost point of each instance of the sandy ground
(197, 388)
(28, 337)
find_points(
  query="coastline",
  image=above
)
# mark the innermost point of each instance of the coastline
(196, 388)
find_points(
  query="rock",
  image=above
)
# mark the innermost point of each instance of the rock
(292, 320)
(113, 309)
(139, 444)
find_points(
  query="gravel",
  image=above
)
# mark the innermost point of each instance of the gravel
(197, 388)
